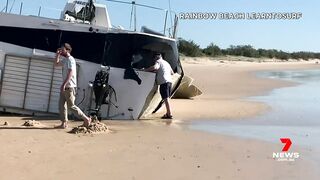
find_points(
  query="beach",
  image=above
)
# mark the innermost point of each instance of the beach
(157, 149)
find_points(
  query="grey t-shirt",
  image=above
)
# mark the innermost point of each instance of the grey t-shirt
(69, 63)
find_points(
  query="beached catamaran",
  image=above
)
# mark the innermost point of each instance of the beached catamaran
(30, 82)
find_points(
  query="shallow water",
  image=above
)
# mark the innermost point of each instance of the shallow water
(294, 113)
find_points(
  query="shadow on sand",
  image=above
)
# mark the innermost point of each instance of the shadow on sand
(25, 127)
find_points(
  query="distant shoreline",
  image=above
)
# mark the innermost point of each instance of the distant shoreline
(243, 59)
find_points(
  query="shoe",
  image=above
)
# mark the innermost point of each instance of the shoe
(166, 116)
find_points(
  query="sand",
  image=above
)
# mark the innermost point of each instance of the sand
(32, 123)
(225, 85)
(156, 149)
(94, 128)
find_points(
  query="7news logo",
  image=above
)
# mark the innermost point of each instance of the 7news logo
(285, 155)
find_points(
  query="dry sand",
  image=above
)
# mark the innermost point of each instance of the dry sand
(155, 149)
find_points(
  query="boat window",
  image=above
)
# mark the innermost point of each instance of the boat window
(32, 38)
(114, 49)
(127, 50)
(86, 46)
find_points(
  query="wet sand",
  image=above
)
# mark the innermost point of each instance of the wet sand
(226, 85)
(155, 149)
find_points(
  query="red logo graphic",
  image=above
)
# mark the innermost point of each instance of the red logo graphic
(287, 143)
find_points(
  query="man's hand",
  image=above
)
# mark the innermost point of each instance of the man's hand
(63, 87)
(69, 75)
(58, 53)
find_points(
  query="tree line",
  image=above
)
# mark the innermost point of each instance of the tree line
(190, 48)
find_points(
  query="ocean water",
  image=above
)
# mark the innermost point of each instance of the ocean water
(295, 113)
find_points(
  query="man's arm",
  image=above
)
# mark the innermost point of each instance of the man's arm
(153, 68)
(150, 69)
(69, 75)
(171, 71)
(58, 60)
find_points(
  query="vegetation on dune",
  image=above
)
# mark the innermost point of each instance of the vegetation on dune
(190, 48)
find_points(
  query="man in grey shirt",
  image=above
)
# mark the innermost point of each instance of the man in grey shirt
(164, 74)
(68, 87)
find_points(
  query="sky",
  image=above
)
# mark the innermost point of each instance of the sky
(301, 34)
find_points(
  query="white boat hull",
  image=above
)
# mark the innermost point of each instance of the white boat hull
(35, 91)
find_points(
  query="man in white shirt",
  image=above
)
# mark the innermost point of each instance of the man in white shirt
(68, 87)
(164, 74)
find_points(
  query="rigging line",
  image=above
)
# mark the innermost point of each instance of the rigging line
(131, 16)
(50, 8)
(142, 5)
(170, 13)
(14, 1)
(3, 9)
(135, 17)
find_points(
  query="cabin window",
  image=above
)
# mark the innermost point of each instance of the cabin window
(128, 50)
(85, 46)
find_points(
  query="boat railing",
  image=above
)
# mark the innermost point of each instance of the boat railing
(169, 18)
(24, 9)
(169, 21)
